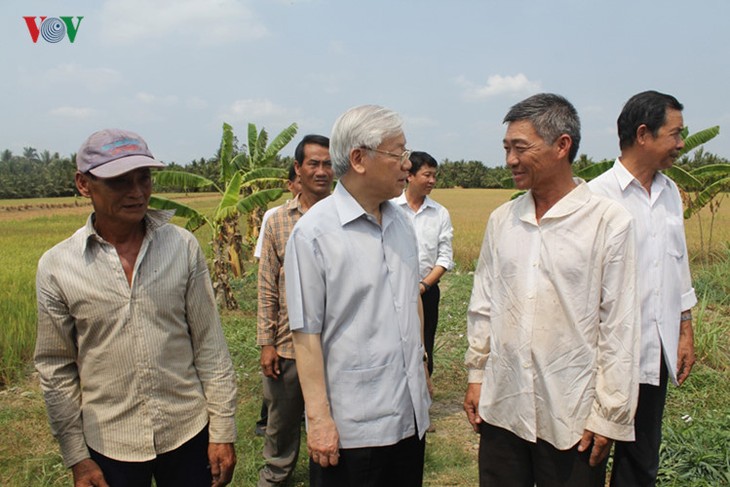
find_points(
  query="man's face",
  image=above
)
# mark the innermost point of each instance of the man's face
(315, 171)
(531, 159)
(122, 199)
(665, 146)
(386, 174)
(421, 183)
(295, 187)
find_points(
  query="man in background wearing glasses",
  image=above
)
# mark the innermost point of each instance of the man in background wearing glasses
(355, 313)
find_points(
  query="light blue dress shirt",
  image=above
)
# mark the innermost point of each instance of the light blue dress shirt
(355, 283)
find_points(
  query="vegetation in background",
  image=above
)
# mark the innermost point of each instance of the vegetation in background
(248, 186)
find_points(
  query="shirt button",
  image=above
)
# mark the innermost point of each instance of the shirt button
(526, 365)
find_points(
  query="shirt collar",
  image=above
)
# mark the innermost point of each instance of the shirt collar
(153, 220)
(350, 210)
(625, 178)
(568, 204)
(403, 201)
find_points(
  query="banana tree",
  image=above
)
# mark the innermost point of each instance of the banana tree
(244, 191)
(260, 155)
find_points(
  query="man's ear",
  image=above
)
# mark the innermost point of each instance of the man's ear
(82, 184)
(564, 143)
(642, 132)
(357, 159)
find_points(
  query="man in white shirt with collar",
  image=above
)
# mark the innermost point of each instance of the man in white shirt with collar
(649, 129)
(553, 353)
(354, 311)
(434, 231)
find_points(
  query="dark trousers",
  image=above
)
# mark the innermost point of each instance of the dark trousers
(430, 301)
(186, 465)
(283, 432)
(636, 463)
(399, 465)
(506, 460)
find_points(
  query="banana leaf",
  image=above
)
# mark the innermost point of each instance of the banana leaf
(594, 170)
(195, 218)
(183, 179)
(706, 195)
(227, 168)
(684, 180)
(227, 204)
(258, 200)
(698, 138)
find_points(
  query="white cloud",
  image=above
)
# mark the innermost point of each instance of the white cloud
(184, 21)
(76, 113)
(258, 111)
(498, 85)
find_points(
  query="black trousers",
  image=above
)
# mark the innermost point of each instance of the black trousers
(399, 465)
(186, 465)
(506, 460)
(636, 463)
(430, 301)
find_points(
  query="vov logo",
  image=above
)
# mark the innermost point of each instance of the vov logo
(52, 29)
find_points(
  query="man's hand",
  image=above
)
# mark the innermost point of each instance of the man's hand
(222, 458)
(323, 441)
(601, 446)
(429, 384)
(88, 474)
(685, 351)
(270, 361)
(471, 405)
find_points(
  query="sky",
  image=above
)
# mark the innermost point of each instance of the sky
(175, 70)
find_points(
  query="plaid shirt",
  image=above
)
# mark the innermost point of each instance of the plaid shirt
(273, 320)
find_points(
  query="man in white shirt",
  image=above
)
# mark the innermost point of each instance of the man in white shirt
(354, 311)
(434, 231)
(649, 129)
(553, 343)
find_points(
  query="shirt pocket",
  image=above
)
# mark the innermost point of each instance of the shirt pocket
(675, 237)
(360, 393)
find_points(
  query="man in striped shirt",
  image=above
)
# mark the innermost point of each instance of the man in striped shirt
(281, 386)
(134, 367)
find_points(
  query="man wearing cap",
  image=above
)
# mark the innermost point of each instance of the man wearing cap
(133, 364)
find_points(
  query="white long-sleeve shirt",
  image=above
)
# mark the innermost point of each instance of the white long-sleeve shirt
(665, 285)
(552, 322)
(434, 232)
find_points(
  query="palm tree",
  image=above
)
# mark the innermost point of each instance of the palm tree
(244, 188)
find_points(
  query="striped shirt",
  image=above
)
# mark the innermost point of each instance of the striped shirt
(131, 371)
(273, 319)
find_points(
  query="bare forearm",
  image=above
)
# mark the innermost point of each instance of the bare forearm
(310, 367)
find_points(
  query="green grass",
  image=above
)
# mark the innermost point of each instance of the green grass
(694, 453)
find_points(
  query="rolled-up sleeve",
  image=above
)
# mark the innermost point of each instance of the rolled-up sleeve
(445, 257)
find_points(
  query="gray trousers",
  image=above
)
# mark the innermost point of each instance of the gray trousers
(283, 431)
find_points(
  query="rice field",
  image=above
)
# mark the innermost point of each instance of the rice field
(29, 455)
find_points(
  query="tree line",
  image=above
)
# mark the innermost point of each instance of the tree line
(35, 174)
